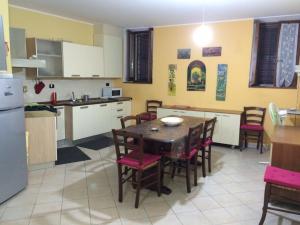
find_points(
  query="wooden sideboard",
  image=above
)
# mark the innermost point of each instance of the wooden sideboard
(286, 153)
(227, 128)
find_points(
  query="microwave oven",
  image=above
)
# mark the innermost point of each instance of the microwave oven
(110, 92)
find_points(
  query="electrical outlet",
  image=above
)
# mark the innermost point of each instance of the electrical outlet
(51, 86)
(107, 84)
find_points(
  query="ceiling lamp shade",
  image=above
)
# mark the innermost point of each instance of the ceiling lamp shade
(203, 35)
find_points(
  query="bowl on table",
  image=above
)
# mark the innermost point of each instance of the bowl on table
(171, 121)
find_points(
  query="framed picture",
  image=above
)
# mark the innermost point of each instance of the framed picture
(196, 76)
(3, 47)
(184, 53)
(212, 51)
(172, 79)
(221, 82)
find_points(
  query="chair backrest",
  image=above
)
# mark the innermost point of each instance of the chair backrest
(152, 105)
(136, 119)
(209, 128)
(274, 114)
(254, 115)
(120, 139)
(194, 138)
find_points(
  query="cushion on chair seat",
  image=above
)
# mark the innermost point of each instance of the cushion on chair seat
(148, 116)
(252, 127)
(132, 160)
(181, 155)
(207, 142)
(282, 177)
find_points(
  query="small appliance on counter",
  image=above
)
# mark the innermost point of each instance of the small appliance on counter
(110, 92)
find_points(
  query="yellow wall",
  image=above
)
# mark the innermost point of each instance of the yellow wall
(236, 41)
(4, 14)
(50, 27)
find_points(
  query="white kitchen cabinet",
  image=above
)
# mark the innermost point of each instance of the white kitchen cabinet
(60, 122)
(103, 118)
(113, 56)
(82, 61)
(231, 129)
(218, 131)
(162, 112)
(119, 110)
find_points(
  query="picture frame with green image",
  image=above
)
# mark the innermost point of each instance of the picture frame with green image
(172, 68)
(196, 76)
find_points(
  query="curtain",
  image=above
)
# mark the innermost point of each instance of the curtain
(287, 51)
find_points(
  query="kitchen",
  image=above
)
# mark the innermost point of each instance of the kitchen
(76, 80)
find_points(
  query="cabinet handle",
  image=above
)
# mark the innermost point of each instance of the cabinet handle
(119, 117)
(119, 103)
(83, 107)
(103, 105)
(95, 75)
(119, 110)
(75, 75)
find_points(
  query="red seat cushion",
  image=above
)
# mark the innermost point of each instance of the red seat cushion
(207, 142)
(252, 127)
(282, 177)
(148, 116)
(132, 160)
(181, 155)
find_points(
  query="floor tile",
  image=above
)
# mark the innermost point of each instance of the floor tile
(218, 216)
(104, 216)
(161, 209)
(16, 213)
(47, 219)
(16, 222)
(76, 217)
(47, 208)
(205, 203)
(192, 218)
(69, 204)
(163, 220)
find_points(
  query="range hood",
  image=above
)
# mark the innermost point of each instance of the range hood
(18, 51)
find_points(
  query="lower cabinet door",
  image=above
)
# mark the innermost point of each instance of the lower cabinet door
(231, 128)
(60, 121)
(103, 118)
(218, 131)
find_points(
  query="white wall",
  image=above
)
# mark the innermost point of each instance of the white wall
(63, 88)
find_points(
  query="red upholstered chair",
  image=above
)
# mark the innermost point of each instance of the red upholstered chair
(186, 153)
(279, 178)
(252, 126)
(151, 113)
(206, 142)
(137, 161)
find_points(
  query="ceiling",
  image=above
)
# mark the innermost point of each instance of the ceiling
(145, 13)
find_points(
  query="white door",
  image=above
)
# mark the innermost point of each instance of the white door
(113, 56)
(60, 123)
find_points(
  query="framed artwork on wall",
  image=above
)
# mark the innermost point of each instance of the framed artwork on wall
(184, 53)
(196, 76)
(3, 47)
(211, 51)
(172, 79)
(221, 82)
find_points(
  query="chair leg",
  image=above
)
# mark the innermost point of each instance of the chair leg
(138, 188)
(188, 170)
(209, 158)
(158, 179)
(266, 201)
(261, 142)
(258, 141)
(173, 170)
(203, 162)
(195, 170)
(241, 140)
(120, 183)
(246, 140)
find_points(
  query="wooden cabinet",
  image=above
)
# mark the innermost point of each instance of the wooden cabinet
(82, 61)
(89, 120)
(227, 128)
(60, 122)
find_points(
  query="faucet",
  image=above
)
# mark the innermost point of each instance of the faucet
(73, 97)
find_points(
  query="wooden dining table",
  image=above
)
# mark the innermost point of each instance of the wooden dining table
(165, 138)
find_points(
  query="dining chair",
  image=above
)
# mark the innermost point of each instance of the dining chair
(138, 162)
(151, 110)
(184, 154)
(283, 179)
(206, 143)
(252, 127)
(136, 119)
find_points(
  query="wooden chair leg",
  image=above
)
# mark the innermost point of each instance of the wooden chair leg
(241, 140)
(158, 179)
(203, 162)
(261, 142)
(266, 201)
(120, 183)
(258, 141)
(195, 170)
(246, 140)
(188, 183)
(138, 188)
(209, 158)
(173, 170)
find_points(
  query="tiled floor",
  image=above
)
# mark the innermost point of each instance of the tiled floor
(86, 193)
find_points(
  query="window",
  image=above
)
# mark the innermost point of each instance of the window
(274, 55)
(139, 56)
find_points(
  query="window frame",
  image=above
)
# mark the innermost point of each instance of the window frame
(254, 56)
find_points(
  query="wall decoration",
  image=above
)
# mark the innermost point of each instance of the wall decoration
(196, 76)
(184, 53)
(221, 82)
(172, 79)
(212, 51)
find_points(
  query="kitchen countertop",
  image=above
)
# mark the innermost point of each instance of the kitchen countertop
(183, 107)
(91, 101)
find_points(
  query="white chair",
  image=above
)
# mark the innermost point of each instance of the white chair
(277, 116)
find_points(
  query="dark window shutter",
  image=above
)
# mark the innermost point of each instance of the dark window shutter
(267, 53)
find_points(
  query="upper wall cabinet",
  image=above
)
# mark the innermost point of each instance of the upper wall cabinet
(113, 56)
(82, 61)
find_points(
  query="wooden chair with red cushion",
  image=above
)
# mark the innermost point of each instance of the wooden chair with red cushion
(151, 110)
(252, 126)
(185, 153)
(283, 179)
(136, 119)
(206, 142)
(137, 161)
